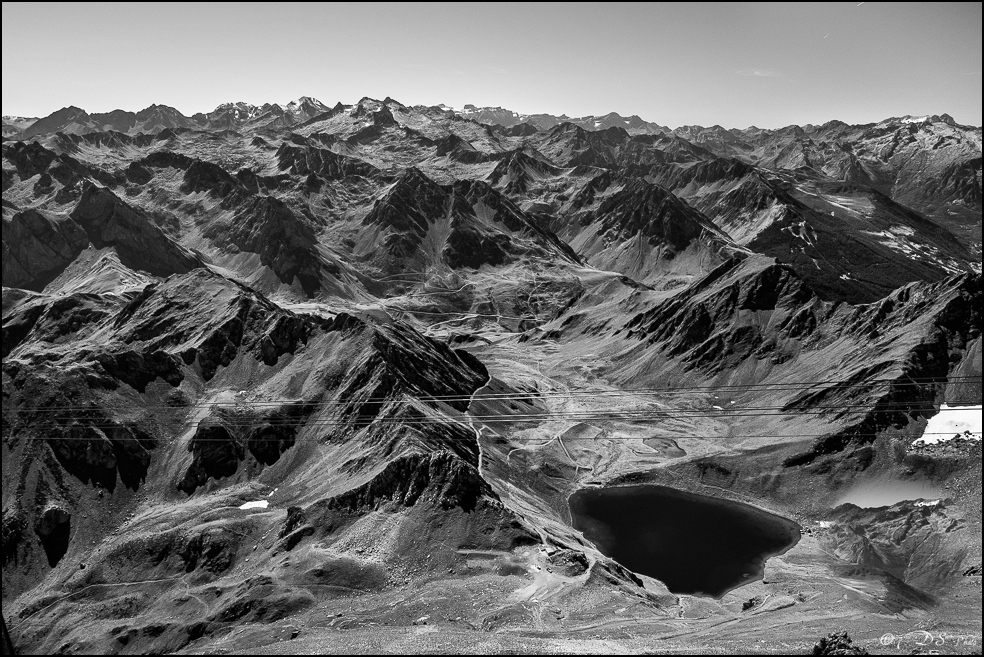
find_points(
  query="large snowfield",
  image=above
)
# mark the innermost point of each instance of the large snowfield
(953, 421)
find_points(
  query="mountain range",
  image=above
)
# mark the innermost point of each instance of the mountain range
(327, 376)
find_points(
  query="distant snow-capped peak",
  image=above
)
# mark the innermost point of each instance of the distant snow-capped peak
(305, 107)
(240, 111)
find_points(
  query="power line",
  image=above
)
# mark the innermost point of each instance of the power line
(645, 414)
(358, 423)
(648, 413)
(511, 396)
(515, 439)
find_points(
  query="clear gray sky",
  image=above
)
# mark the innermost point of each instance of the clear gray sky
(735, 65)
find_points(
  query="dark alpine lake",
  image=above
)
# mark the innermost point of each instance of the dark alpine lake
(693, 543)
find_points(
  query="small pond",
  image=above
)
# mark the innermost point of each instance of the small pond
(695, 544)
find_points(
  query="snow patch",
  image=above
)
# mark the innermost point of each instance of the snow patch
(952, 422)
(259, 504)
(896, 238)
(801, 230)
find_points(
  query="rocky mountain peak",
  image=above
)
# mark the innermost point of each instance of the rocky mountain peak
(305, 108)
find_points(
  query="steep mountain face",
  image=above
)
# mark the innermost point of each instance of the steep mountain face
(751, 311)
(321, 163)
(140, 244)
(640, 229)
(418, 224)
(36, 247)
(267, 227)
(277, 364)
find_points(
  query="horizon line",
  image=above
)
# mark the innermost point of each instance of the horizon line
(460, 110)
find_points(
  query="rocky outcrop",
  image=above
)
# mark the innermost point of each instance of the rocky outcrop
(170, 159)
(838, 643)
(138, 174)
(306, 160)
(217, 454)
(101, 452)
(29, 159)
(33, 159)
(221, 443)
(51, 320)
(58, 409)
(439, 478)
(54, 529)
(202, 176)
(137, 369)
